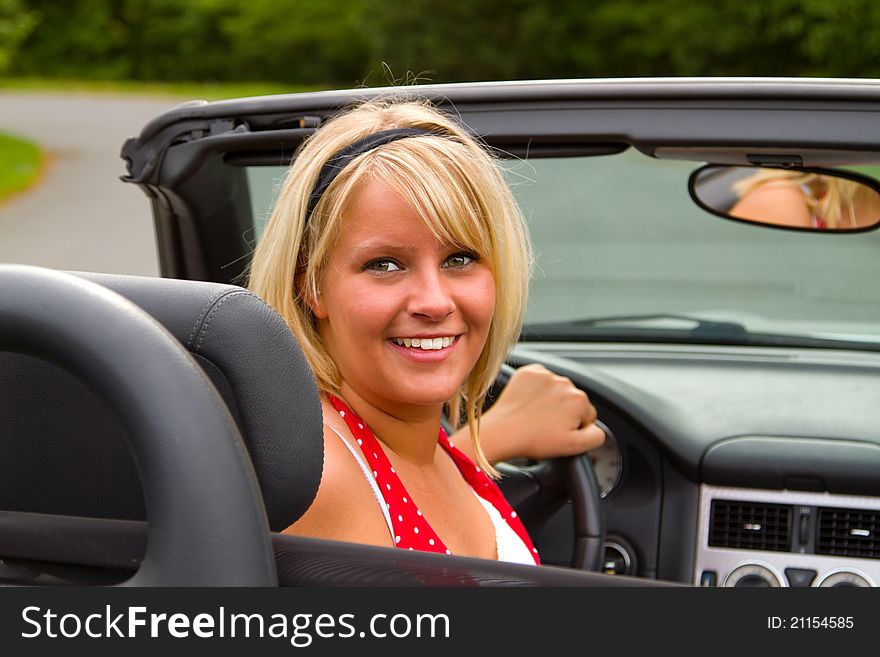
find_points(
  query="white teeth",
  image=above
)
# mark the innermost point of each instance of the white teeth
(427, 344)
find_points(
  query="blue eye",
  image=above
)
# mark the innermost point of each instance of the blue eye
(382, 265)
(459, 260)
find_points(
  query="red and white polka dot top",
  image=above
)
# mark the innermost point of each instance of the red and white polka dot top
(408, 526)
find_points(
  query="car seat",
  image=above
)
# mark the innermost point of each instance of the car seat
(63, 451)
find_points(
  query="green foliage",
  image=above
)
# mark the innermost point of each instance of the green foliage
(501, 39)
(346, 42)
(308, 41)
(19, 165)
(15, 24)
(118, 39)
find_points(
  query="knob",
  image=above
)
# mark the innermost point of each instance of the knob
(841, 578)
(752, 575)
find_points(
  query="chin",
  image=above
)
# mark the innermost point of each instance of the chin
(427, 395)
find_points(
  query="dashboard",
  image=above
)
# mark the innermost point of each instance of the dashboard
(751, 537)
(730, 466)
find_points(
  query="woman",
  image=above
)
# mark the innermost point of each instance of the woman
(398, 257)
(806, 200)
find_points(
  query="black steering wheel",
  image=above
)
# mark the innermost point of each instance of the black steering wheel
(538, 491)
(196, 475)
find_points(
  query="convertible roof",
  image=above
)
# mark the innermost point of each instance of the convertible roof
(540, 92)
(191, 160)
(685, 112)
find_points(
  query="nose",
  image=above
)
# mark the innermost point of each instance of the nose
(431, 296)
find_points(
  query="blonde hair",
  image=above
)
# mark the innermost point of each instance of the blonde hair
(460, 195)
(834, 199)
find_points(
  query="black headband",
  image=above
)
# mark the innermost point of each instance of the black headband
(343, 158)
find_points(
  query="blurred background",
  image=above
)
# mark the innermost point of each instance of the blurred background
(350, 42)
(79, 76)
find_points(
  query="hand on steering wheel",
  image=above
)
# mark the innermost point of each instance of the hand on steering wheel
(539, 415)
(538, 491)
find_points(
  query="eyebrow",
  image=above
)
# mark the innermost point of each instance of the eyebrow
(385, 247)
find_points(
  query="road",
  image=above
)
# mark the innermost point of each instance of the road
(79, 216)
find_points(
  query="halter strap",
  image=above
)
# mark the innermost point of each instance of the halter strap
(410, 528)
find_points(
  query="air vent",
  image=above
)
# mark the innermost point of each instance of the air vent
(849, 533)
(750, 526)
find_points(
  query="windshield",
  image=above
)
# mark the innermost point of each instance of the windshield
(619, 237)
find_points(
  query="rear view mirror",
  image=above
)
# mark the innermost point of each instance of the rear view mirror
(800, 199)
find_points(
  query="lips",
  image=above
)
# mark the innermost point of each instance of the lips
(426, 343)
(425, 351)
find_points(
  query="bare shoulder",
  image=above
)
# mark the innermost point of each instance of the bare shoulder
(344, 508)
(780, 203)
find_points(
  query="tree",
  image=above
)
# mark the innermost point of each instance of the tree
(15, 24)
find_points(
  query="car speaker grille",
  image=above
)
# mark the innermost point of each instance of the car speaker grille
(849, 533)
(750, 526)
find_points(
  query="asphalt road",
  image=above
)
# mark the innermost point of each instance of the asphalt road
(79, 216)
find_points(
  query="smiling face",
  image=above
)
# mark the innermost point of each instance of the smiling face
(404, 315)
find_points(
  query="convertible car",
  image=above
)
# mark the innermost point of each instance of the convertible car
(164, 430)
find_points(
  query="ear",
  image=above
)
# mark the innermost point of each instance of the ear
(315, 303)
(317, 306)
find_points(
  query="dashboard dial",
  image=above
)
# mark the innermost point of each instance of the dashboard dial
(607, 461)
(843, 577)
(753, 575)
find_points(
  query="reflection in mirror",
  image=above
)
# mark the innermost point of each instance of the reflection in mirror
(803, 199)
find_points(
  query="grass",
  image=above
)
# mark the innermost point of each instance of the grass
(182, 90)
(20, 163)
(868, 170)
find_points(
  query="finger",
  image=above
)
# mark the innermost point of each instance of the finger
(590, 437)
(589, 414)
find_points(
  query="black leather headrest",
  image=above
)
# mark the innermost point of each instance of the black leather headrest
(75, 461)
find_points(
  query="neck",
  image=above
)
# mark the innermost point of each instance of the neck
(408, 431)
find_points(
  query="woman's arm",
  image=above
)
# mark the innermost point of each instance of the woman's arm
(538, 415)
